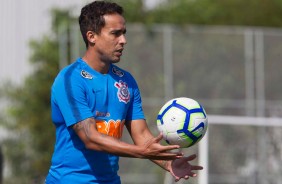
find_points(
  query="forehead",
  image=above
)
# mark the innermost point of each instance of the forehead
(114, 22)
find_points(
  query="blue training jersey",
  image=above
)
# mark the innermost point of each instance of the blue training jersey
(79, 92)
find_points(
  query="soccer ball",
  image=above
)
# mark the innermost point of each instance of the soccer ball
(182, 121)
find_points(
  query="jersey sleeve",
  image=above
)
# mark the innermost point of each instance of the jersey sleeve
(135, 110)
(69, 96)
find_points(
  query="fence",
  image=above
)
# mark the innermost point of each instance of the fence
(233, 71)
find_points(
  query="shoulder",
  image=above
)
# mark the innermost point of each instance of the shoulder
(121, 73)
(70, 73)
(123, 76)
(72, 70)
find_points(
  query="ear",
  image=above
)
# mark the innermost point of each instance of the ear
(91, 37)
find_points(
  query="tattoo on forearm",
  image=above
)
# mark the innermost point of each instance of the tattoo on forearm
(78, 126)
(84, 125)
(87, 125)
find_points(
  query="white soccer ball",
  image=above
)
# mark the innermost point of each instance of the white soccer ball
(182, 121)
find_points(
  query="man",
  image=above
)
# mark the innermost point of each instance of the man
(93, 99)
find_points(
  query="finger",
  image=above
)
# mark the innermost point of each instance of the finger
(159, 137)
(186, 177)
(190, 158)
(170, 148)
(166, 156)
(192, 174)
(196, 167)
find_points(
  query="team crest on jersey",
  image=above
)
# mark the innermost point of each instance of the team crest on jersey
(117, 72)
(86, 75)
(123, 92)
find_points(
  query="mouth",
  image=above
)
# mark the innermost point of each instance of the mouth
(119, 52)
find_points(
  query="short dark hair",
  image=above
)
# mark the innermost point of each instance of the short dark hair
(92, 16)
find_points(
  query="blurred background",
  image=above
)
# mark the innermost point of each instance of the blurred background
(225, 54)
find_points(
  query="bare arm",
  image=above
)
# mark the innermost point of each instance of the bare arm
(87, 132)
(141, 134)
(179, 168)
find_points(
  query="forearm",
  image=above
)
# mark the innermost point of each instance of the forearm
(148, 147)
(151, 149)
(102, 142)
(87, 132)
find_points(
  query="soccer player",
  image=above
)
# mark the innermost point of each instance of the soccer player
(92, 100)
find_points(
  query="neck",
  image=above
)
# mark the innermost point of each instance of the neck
(96, 63)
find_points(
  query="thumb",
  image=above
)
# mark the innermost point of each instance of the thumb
(191, 157)
(159, 137)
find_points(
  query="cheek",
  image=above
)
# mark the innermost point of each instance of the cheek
(107, 44)
(102, 46)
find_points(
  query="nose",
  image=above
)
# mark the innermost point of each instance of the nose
(123, 39)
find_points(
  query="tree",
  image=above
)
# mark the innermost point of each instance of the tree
(1, 166)
(219, 12)
(29, 148)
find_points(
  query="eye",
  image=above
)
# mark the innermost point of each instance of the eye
(118, 33)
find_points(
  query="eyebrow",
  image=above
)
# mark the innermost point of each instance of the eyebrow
(119, 30)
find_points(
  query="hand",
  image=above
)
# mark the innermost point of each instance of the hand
(180, 168)
(153, 150)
